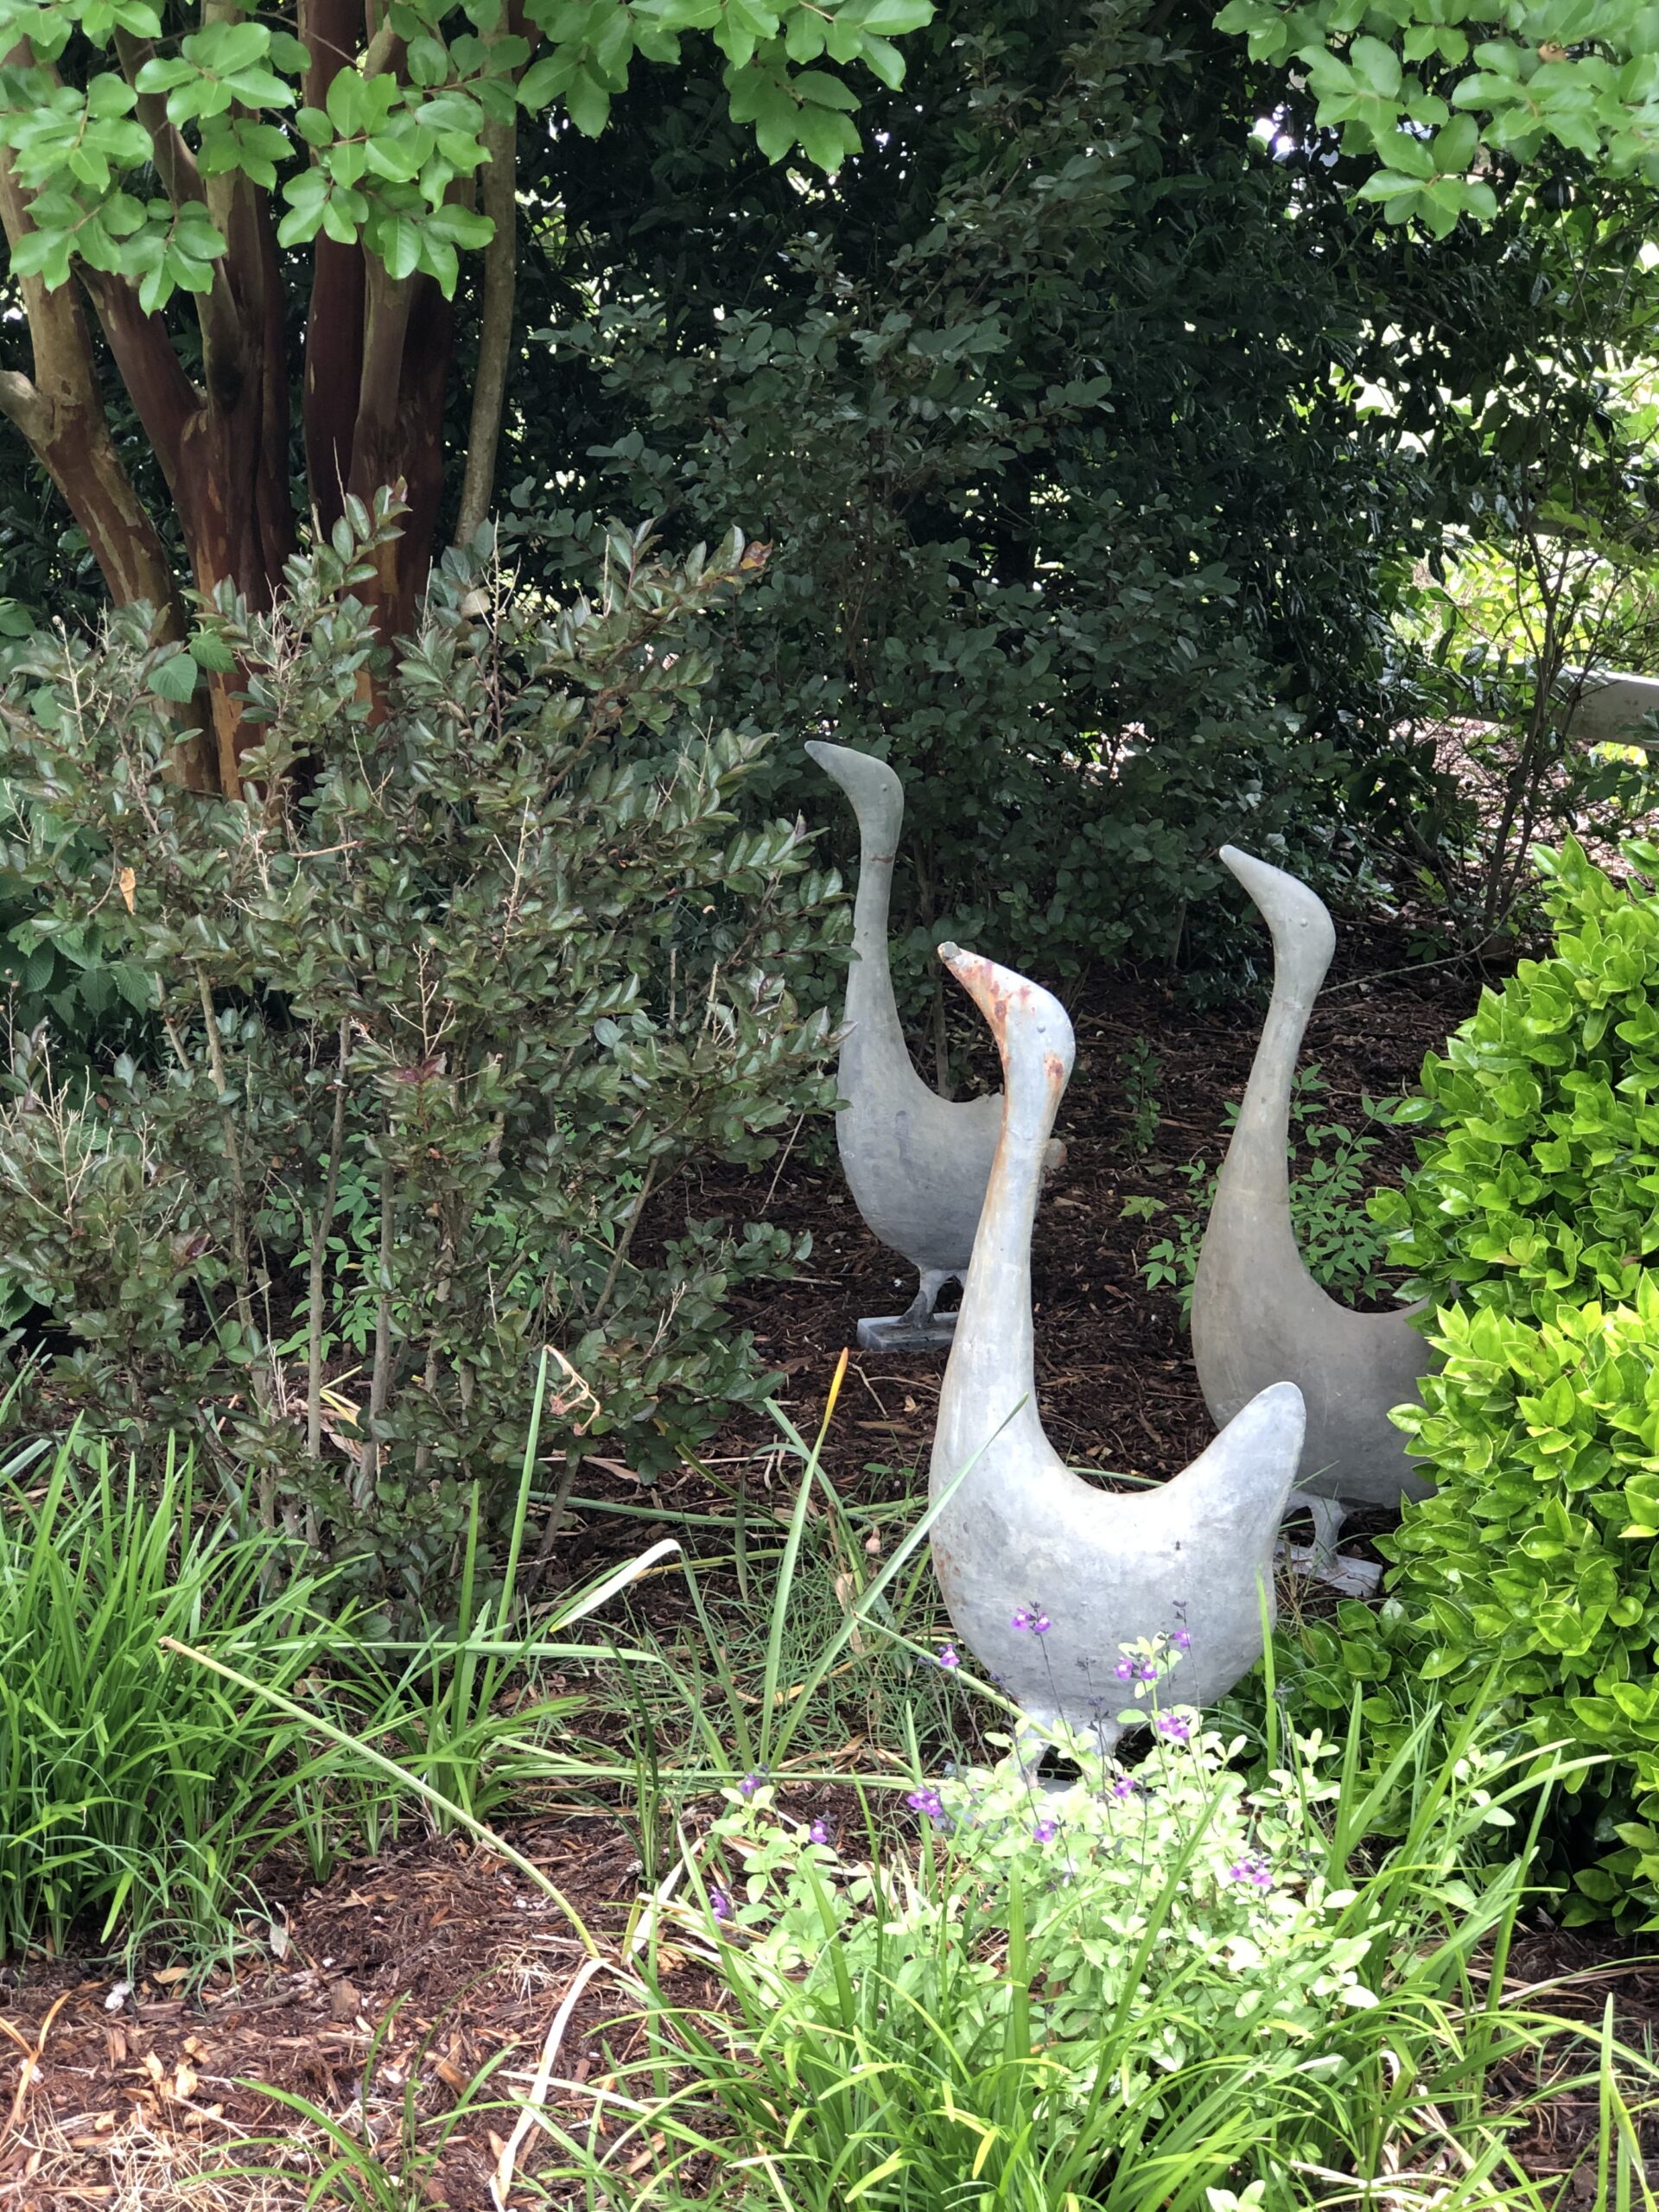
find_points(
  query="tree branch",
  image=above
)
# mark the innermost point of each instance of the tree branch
(22, 404)
(175, 164)
(500, 204)
(331, 31)
(163, 394)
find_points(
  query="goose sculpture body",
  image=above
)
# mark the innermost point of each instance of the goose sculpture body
(1021, 1532)
(916, 1164)
(1257, 1314)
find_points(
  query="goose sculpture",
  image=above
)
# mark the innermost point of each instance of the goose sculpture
(1021, 1535)
(1257, 1314)
(916, 1164)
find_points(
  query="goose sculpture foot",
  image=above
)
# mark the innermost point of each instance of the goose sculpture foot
(1354, 1578)
(1320, 1562)
(1047, 1578)
(919, 1328)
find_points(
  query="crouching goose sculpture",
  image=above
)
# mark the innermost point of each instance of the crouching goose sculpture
(1021, 1531)
(1257, 1314)
(915, 1163)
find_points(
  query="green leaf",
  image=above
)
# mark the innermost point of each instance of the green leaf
(822, 90)
(1377, 66)
(1455, 147)
(398, 245)
(175, 677)
(826, 139)
(587, 104)
(891, 18)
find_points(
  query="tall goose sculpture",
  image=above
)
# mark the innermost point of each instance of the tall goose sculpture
(1257, 1314)
(1021, 1531)
(915, 1163)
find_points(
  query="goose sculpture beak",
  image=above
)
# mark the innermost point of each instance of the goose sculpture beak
(877, 795)
(1012, 1005)
(1304, 936)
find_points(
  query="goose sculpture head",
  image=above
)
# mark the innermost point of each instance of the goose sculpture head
(1257, 1314)
(916, 1164)
(1021, 1534)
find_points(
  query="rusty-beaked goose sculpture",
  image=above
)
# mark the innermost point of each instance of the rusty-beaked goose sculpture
(1257, 1314)
(915, 1163)
(1022, 1533)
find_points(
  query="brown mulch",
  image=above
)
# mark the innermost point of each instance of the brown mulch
(445, 1954)
(403, 1975)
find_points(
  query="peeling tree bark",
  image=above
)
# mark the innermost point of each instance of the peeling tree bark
(500, 204)
(377, 356)
(61, 412)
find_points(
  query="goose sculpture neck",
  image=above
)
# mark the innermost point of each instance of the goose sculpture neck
(874, 1038)
(1255, 1183)
(996, 1345)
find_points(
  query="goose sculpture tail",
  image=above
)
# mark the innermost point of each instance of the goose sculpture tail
(1022, 1536)
(1257, 1314)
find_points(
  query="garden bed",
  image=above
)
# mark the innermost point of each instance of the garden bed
(435, 1959)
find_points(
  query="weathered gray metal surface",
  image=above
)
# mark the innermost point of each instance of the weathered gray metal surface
(1258, 1316)
(1023, 1531)
(1611, 707)
(915, 1163)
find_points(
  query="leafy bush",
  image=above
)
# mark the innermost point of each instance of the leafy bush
(1530, 1222)
(444, 1008)
(1146, 1989)
(1330, 1177)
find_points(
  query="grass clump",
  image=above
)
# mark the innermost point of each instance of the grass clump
(136, 1793)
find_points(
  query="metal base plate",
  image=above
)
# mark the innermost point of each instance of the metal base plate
(1355, 1578)
(898, 1332)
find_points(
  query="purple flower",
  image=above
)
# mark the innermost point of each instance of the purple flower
(720, 1904)
(948, 1656)
(1181, 1640)
(1028, 1617)
(751, 1783)
(1124, 1670)
(1255, 1872)
(928, 1802)
(1123, 1787)
(1173, 1725)
(818, 1832)
(1146, 1671)
(1045, 1831)
(1041, 1625)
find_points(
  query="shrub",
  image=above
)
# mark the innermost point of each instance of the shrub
(444, 1008)
(1530, 1221)
(1036, 401)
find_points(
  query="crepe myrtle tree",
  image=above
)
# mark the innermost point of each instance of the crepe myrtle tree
(149, 151)
(1438, 93)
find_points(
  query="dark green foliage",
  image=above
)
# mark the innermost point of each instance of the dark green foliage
(1060, 420)
(441, 1015)
(1531, 1223)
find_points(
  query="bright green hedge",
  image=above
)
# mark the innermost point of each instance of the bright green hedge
(1531, 1222)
